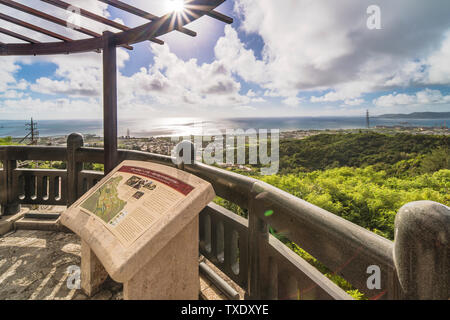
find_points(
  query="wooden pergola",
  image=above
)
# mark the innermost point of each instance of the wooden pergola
(107, 42)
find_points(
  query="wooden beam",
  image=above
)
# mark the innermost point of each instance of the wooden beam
(143, 14)
(109, 101)
(17, 36)
(45, 16)
(130, 9)
(219, 16)
(150, 30)
(76, 46)
(33, 27)
(93, 16)
(169, 22)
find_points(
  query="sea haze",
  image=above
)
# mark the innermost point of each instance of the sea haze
(187, 126)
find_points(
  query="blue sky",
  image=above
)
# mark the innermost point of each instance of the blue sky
(279, 58)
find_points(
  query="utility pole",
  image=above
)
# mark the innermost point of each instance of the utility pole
(32, 131)
(32, 128)
(367, 119)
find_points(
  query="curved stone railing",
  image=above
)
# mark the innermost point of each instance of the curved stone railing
(245, 251)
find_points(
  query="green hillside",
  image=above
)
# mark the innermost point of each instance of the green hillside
(328, 151)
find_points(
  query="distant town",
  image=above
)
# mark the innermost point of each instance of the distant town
(164, 145)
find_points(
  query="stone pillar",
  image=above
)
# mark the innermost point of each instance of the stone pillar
(422, 250)
(184, 154)
(172, 274)
(93, 274)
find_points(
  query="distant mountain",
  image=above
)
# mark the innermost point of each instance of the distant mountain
(417, 115)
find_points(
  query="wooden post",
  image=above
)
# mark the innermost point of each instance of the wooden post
(109, 101)
(74, 141)
(422, 250)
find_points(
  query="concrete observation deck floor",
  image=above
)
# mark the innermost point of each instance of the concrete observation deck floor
(34, 266)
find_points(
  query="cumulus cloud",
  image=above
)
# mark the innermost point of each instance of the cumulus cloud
(168, 82)
(425, 97)
(174, 82)
(439, 66)
(80, 79)
(232, 52)
(51, 109)
(326, 46)
(7, 78)
(12, 94)
(320, 49)
(354, 102)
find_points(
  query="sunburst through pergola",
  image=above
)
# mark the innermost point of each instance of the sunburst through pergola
(182, 13)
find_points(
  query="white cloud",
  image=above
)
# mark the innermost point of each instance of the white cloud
(292, 101)
(354, 102)
(7, 79)
(321, 46)
(245, 108)
(50, 109)
(12, 94)
(439, 64)
(169, 82)
(326, 46)
(251, 93)
(425, 97)
(80, 79)
(173, 82)
(232, 52)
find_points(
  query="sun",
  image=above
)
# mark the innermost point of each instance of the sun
(175, 5)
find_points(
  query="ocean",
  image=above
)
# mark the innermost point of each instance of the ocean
(187, 126)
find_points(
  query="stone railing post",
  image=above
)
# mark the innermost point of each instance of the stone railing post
(11, 204)
(422, 250)
(74, 142)
(258, 234)
(184, 153)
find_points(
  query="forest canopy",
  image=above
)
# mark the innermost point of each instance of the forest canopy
(327, 151)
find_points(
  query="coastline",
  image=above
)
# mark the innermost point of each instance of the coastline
(164, 144)
(167, 127)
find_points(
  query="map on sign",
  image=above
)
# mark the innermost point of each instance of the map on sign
(133, 199)
(105, 202)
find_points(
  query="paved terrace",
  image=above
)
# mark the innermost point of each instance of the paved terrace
(34, 264)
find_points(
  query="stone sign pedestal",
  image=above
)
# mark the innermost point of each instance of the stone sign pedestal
(93, 274)
(172, 274)
(140, 226)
